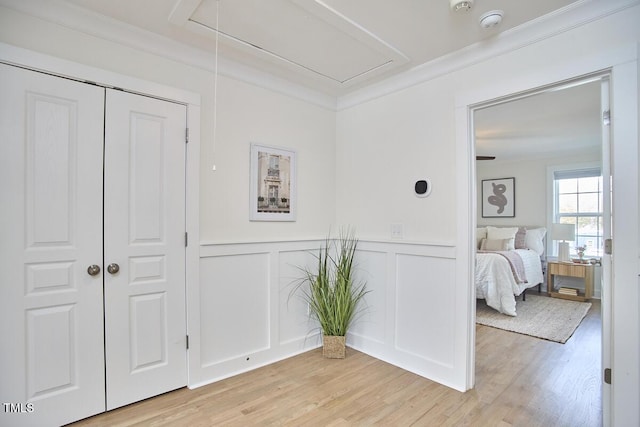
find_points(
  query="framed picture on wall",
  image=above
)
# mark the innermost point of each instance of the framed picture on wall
(499, 198)
(273, 184)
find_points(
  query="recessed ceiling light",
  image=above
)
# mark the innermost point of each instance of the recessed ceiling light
(491, 19)
(461, 5)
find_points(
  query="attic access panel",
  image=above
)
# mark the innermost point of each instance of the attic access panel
(304, 35)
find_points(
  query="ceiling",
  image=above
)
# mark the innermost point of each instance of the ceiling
(337, 47)
(561, 121)
(332, 46)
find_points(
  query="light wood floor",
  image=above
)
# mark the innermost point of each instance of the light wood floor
(520, 381)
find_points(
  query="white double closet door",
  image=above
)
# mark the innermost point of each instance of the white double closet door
(92, 262)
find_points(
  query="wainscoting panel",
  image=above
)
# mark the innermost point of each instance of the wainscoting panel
(294, 324)
(370, 323)
(409, 320)
(246, 315)
(234, 307)
(241, 314)
(424, 301)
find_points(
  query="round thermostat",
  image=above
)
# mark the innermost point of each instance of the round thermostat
(422, 188)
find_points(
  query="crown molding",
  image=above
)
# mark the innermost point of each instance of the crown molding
(78, 19)
(575, 15)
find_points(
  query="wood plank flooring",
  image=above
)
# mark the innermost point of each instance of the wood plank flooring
(520, 381)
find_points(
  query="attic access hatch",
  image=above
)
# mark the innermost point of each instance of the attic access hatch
(303, 35)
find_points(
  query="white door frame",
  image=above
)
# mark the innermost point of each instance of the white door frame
(607, 277)
(83, 73)
(625, 389)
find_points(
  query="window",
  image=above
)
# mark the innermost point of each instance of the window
(274, 166)
(578, 200)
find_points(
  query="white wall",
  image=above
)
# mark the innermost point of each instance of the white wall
(246, 113)
(368, 159)
(410, 286)
(387, 142)
(247, 314)
(384, 146)
(251, 114)
(249, 317)
(531, 186)
(238, 311)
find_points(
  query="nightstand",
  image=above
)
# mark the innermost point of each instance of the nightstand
(570, 269)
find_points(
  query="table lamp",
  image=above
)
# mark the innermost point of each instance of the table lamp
(563, 232)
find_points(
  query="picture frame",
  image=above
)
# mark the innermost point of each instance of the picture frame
(499, 198)
(273, 184)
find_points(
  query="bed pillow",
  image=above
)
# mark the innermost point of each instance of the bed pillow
(520, 241)
(481, 233)
(494, 233)
(496, 245)
(534, 240)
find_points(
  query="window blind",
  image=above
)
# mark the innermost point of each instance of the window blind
(576, 173)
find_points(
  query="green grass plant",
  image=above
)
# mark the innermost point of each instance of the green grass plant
(330, 290)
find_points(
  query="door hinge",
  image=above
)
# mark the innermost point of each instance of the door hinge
(607, 376)
(186, 239)
(187, 342)
(186, 135)
(606, 118)
(608, 246)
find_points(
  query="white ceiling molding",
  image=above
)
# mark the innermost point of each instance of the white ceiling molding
(562, 20)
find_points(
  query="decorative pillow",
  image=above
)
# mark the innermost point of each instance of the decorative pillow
(534, 240)
(520, 239)
(496, 245)
(481, 233)
(494, 233)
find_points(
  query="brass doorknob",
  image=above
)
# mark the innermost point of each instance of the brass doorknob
(113, 268)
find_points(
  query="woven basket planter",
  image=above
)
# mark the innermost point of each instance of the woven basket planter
(333, 347)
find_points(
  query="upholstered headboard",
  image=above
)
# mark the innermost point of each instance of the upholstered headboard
(529, 237)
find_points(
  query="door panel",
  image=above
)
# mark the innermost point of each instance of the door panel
(144, 234)
(51, 135)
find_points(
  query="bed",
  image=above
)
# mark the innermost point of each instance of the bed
(508, 262)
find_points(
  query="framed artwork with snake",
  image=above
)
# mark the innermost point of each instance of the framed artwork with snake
(499, 198)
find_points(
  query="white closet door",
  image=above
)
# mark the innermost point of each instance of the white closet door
(145, 236)
(51, 323)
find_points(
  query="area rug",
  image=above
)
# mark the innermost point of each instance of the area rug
(551, 319)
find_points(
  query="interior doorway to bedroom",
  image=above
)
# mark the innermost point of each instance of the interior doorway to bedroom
(537, 138)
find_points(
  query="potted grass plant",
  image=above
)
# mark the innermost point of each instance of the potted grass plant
(332, 294)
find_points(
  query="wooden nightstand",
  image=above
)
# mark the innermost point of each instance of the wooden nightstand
(584, 271)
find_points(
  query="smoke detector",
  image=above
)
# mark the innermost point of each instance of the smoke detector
(491, 19)
(461, 5)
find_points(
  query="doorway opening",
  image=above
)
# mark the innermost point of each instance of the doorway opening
(528, 136)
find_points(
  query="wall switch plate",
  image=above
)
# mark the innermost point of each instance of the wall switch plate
(397, 231)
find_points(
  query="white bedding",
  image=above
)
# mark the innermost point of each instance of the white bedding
(495, 282)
